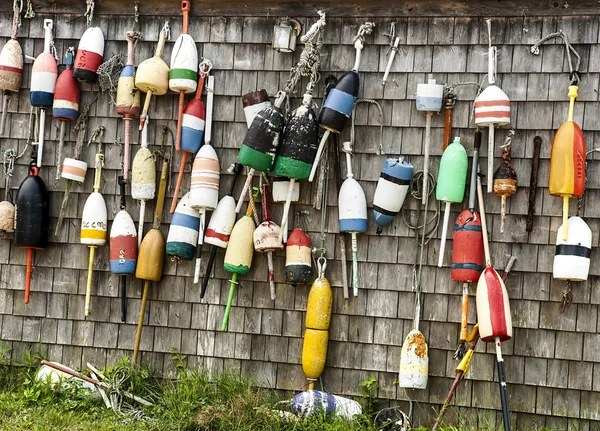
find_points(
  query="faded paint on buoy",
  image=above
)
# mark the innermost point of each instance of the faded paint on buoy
(239, 253)
(206, 172)
(94, 221)
(43, 80)
(151, 256)
(183, 75)
(11, 66)
(414, 361)
(314, 353)
(391, 191)
(66, 94)
(123, 244)
(298, 258)
(143, 175)
(253, 103)
(339, 103)
(572, 258)
(128, 97)
(493, 307)
(221, 223)
(183, 231)
(73, 169)
(89, 55)
(7, 216)
(467, 248)
(316, 336)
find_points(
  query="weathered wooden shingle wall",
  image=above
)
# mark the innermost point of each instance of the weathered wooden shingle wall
(553, 361)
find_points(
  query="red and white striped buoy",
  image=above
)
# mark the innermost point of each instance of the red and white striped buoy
(90, 50)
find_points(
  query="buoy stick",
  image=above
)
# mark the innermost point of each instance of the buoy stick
(179, 119)
(342, 239)
(503, 389)
(40, 152)
(490, 158)
(286, 208)
(444, 233)
(145, 110)
(464, 317)
(123, 298)
(313, 171)
(249, 178)
(127, 149)
(565, 226)
(141, 223)
(449, 104)
(138, 334)
(209, 267)
(502, 212)
(28, 274)
(63, 208)
(4, 111)
(428, 115)
(59, 150)
(88, 290)
(486, 245)
(535, 162)
(229, 301)
(199, 248)
(354, 264)
(271, 275)
(390, 61)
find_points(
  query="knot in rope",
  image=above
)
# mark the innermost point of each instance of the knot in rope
(17, 9)
(30, 14)
(166, 30)
(366, 28)
(89, 13)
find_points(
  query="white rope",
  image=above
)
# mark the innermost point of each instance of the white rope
(573, 72)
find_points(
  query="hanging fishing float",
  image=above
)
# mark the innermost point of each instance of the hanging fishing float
(90, 50)
(32, 217)
(492, 106)
(452, 178)
(128, 99)
(151, 255)
(493, 310)
(193, 125)
(572, 258)
(467, 248)
(298, 258)
(183, 230)
(123, 247)
(238, 256)
(94, 220)
(152, 75)
(65, 107)
(253, 103)
(183, 75)
(505, 180)
(391, 191)
(429, 100)
(318, 318)
(220, 226)
(11, 65)
(143, 179)
(340, 102)
(267, 237)
(43, 82)
(206, 173)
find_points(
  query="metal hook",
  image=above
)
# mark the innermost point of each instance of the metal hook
(321, 266)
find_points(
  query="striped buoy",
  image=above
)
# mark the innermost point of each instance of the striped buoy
(74, 169)
(11, 66)
(221, 223)
(467, 248)
(193, 123)
(298, 258)
(339, 103)
(204, 191)
(391, 191)
(66, 94)
(572, 258)
(44, 73)
(253, 103)
(128, 98)
(123, 244)
(183, 231)
(89, 55)
(493, 307)
(94, 221)
(143, 179)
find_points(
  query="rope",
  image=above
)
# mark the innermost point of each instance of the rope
(89, 13)
(321, 262)
(108, 75)
(392, 37)
(310, 59)
(252, 195)
(9, 157)
(366, 28)
(17, 9)
(573, 72)
(374, 102)
(30, 12)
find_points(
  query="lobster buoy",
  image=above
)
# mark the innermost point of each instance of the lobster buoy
(316, 336)
(253, 103)
(128, 98)
(259, 148)
(152, 75)
(143, 179)
(414, 361)
(567, 162)
(89, 55)
(183, 231)
(467, 248)
(32, 219)
(7, 216)
(452, 178)
(310, 403)
(572, 258)
(11, 66)
(505, 183)
(94, 221)
(123, 244)
(238, 256)
(74, 169)
(206, 172)
(44, 73)
(298, 258)
(391, 191)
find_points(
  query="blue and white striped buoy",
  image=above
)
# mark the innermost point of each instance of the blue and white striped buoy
(391, 191)
(183, 232)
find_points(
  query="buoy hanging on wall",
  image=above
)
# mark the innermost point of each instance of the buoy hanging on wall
(90, 50)
(572, 258)
(143, 179)
(152, 76)
(391, 191)
(43, 81)
(183, 230)
(32, 218)
(298, 258)
(505, 181)
(452, 178)
(11, 67)
(66, 105)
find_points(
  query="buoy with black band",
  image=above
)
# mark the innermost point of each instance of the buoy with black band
(123, 247)
(94, 219)
(152, 76)
(43, 81)
(128, 99)
(391, 191)
(572, 258)
(183, 75)
(238, 257)
(452, 178)
(298, 258)
(11, 66)
(143, 178)
(151, 255)
(32, 217)
(220, 226)
(193, 125)
(65, 107)
(90, 50)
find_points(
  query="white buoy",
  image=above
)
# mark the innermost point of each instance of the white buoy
(143, 178)
(572, 258)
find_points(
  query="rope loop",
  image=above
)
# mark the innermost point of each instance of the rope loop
(352, 133)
